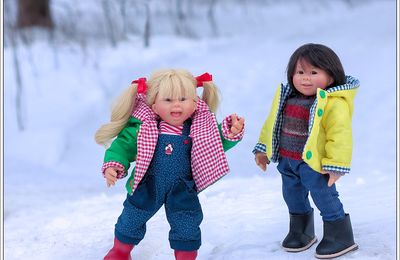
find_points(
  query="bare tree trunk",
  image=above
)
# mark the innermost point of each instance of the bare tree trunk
(182, 27)
(211, 17)
(349, 3)
(18, 97)
(147, 26)
(122, 8)
(34, 13)
(181, 17)
(109, 23)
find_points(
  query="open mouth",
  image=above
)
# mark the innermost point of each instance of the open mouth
(176, 114)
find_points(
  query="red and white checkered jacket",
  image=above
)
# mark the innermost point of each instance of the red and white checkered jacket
(207, 155)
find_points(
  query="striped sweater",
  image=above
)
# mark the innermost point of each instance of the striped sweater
(294, 132)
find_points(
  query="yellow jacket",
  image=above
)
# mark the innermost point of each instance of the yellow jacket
(329, 144)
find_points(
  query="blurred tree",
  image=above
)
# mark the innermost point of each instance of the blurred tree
(211, 17)
(182, 26)
(107, 9)
(147, 25)
(34, 13)
(10, 33)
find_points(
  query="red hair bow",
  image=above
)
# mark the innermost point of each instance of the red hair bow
(142, 86)
(203, 78)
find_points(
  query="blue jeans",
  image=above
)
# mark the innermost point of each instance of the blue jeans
(298, 180)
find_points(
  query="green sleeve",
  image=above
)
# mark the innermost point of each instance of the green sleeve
(124, 148)
(226, 144)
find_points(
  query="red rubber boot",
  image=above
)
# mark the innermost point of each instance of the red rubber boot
(120, 251)
(185, 255)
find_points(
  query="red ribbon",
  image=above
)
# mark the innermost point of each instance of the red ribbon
(142, 86)
(203, 78)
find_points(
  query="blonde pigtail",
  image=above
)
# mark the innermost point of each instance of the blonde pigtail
(211, 95)
(120, 115)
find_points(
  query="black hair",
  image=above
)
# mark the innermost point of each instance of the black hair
(319, 56)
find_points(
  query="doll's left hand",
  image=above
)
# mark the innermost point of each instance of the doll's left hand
(333, 177)
(237, 125)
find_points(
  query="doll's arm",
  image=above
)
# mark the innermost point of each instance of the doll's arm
(233, 128)
(230, 138)
(261, 160)
(123, 149)
(333, 177)
(260, 155)
(119, 169)
(265, 140)
(235, 125)
(111, 174)
(338, 147)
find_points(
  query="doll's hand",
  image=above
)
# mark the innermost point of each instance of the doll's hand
(237, 125)
(111, 175)
(333, 177)
(261, 160)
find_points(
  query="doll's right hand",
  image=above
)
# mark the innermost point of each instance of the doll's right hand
(261, 160)
(111, 175)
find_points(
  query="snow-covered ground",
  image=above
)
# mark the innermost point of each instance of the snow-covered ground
(57, 205)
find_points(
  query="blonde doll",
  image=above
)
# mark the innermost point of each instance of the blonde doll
(173, 136)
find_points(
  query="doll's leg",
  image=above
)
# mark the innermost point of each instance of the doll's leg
(138, 209)
(120, 251)
(325, 198)
(338, 236)
(301, 235)
(184, 215)
(185, 255)
(294, 192)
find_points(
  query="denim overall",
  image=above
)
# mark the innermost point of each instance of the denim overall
(168, 182)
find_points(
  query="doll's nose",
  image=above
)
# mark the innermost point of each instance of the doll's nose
(306, 77)
(175, 103)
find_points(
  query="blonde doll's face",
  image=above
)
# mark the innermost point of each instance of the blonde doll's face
(307, 78)
(174, 111)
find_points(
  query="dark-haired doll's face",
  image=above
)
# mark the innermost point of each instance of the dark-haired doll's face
(307, 78)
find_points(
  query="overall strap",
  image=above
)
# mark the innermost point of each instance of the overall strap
(186, 127)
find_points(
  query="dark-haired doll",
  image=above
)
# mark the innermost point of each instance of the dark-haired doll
(309, 133)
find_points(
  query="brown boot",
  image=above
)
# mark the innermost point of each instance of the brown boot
(120, 251)
(185, 255)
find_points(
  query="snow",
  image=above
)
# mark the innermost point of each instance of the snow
(57, 205)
